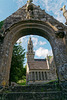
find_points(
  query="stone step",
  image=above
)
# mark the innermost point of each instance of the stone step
(65, 95)
(53, 95)
(34, 88)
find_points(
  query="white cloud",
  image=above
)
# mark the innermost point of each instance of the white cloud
(42, 43)
(42, 52)
(20, 3)
(22, 40)
(36, 2)
(53, 8)
(19, 41)
(35, 41)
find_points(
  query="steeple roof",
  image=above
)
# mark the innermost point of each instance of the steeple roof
(29, 41)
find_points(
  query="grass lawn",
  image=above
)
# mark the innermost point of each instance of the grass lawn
(22, 82)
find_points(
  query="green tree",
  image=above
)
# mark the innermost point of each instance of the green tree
(1, 24)
(49, 57)
(17, 68)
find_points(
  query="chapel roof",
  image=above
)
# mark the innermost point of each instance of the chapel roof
(38, 65)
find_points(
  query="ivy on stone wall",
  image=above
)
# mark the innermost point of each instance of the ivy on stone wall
(1, 30)
(1, 24)
(49, 57)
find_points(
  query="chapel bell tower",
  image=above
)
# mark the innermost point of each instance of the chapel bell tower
(30, 52)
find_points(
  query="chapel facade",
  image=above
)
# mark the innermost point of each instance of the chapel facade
(39, 71)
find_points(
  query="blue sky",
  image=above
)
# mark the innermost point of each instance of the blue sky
(52, 7)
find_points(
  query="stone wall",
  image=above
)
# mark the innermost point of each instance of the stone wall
(41, 76)
(34, 96)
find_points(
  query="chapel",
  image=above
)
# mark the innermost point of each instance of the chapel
(39, 71)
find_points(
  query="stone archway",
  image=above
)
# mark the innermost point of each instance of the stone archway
(26, 28)
(53, 32)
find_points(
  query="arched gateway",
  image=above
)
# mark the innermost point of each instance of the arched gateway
(30, 19)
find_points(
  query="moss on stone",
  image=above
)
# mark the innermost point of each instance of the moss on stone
(49, 57)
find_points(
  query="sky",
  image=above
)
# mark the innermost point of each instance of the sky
(41, 46)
